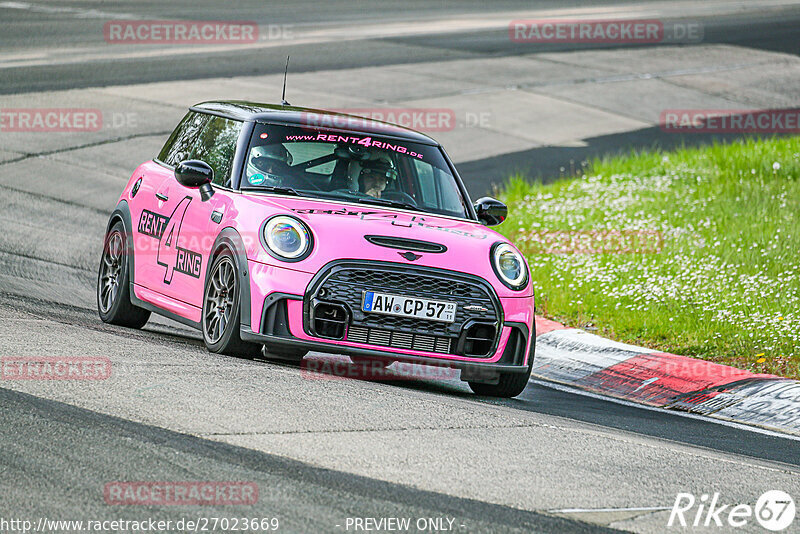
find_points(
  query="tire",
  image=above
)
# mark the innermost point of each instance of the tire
(221, 311)
(113, 283)
(510, 384)
(287, 355)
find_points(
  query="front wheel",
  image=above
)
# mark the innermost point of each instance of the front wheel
(287, 355)
(221, 310)
(509, 385)
(113, 283)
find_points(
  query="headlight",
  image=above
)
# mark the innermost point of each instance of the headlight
(509, 266)
(286, 238)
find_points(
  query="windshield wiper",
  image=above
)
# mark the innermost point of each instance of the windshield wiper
(280, 189)
(390, 203)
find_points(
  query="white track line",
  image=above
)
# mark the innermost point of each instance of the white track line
(739, 426)
(602, 510)
(76, 12)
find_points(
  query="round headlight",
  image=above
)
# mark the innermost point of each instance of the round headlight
(287, 238)
(509, 266)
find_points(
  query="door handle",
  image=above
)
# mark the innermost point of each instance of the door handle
(162, 196)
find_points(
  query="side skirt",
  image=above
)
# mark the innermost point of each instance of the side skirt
(160, 311)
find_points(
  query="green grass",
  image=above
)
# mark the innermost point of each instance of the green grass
(725, 285)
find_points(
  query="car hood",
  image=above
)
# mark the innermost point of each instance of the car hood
(340, 232)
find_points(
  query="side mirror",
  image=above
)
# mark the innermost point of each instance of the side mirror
(196, 174)
(490, 211)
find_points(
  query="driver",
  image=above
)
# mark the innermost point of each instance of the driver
(273, 161)
(375, 176)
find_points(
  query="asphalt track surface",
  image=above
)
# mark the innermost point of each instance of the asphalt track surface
(303, 497)
(320, 450)
(39, 30)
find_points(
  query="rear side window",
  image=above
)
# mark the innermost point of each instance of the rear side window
(305, 152)
(217, 145)
(182, 141)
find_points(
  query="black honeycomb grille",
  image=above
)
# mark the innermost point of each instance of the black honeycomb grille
(424, 285)
(346, 284)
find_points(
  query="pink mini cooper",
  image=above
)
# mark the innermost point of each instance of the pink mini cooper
(287, 230)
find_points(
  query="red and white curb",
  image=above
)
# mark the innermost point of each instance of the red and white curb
(577, 358)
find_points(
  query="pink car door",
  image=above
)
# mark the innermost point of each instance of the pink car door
(150, 212)
(183, 248)
(192, 228)
(152, 208)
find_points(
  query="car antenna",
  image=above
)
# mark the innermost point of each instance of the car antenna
(285, 72)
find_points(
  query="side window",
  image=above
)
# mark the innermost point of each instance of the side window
(451, 198)
(180, 143)
(426, 182)
(217, 145)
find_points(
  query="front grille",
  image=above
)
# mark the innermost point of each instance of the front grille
(345, 281)
(399, 340)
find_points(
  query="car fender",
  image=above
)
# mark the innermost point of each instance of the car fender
(229, 238)
(123, 213)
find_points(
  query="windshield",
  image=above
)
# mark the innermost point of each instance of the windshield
(352, 167)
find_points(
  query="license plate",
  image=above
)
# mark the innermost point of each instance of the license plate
(388, 304)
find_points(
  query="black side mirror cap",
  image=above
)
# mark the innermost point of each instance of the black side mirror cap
(196, 174)
(490, 211)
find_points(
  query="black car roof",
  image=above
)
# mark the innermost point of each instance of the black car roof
(317, 118)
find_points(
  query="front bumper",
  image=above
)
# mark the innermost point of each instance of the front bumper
(282, 303)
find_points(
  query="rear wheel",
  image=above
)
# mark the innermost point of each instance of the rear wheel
(221, 310)
(113, 283)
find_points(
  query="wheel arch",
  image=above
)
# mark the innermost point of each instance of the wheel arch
(230, 239)
(122, 213)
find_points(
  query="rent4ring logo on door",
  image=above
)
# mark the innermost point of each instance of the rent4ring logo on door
(167, 230)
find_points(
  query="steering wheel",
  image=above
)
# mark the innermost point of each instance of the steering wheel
(289, 177)
(348, 192)
(399, 196)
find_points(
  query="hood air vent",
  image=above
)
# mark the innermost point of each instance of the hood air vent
(402, 243)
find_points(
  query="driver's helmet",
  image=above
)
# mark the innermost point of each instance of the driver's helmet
(272, 160)
(377, 168)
